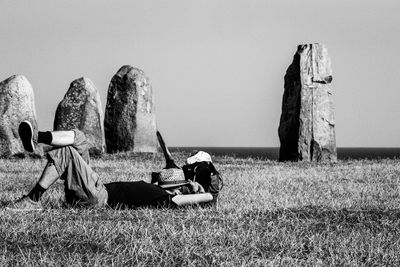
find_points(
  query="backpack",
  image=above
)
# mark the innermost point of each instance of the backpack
(199, 168)
(204, 173)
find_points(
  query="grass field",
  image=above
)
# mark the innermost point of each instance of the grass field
(269, 213)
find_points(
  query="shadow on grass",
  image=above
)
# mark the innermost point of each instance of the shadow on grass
(52, 242)
(365, 236)
(371, 218)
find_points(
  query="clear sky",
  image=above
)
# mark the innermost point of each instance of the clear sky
(216, 66)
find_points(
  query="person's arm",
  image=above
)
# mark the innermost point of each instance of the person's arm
(191, 199)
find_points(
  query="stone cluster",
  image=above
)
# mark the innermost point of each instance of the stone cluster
(129, 123)
(306, 128)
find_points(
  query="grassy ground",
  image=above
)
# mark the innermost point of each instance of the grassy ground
(269, 213)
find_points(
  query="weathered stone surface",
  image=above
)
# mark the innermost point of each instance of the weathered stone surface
(81, 108)
(17, 103)
(307, 126)
(130, 119)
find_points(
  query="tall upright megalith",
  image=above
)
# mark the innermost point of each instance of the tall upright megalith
(17, 103)
(130, 119)
(307, 125)
(81, 109)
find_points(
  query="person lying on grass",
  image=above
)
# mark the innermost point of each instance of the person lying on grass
(68, 160)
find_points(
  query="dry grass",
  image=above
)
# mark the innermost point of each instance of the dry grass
(269, 213)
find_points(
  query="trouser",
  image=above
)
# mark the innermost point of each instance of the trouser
(84, 188)
(82, 185)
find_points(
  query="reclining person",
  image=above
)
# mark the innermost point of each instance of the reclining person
(69, 160)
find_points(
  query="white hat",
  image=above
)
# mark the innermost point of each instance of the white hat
(198, 157)
(171, 178)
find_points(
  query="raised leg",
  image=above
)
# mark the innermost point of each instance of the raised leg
(30, 137)
(69, 156)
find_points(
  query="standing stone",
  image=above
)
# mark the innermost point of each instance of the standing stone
(307, 125)
(17, 103)
(81, 109)
(130, 119)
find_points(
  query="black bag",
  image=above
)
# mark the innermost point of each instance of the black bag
(206, 175)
